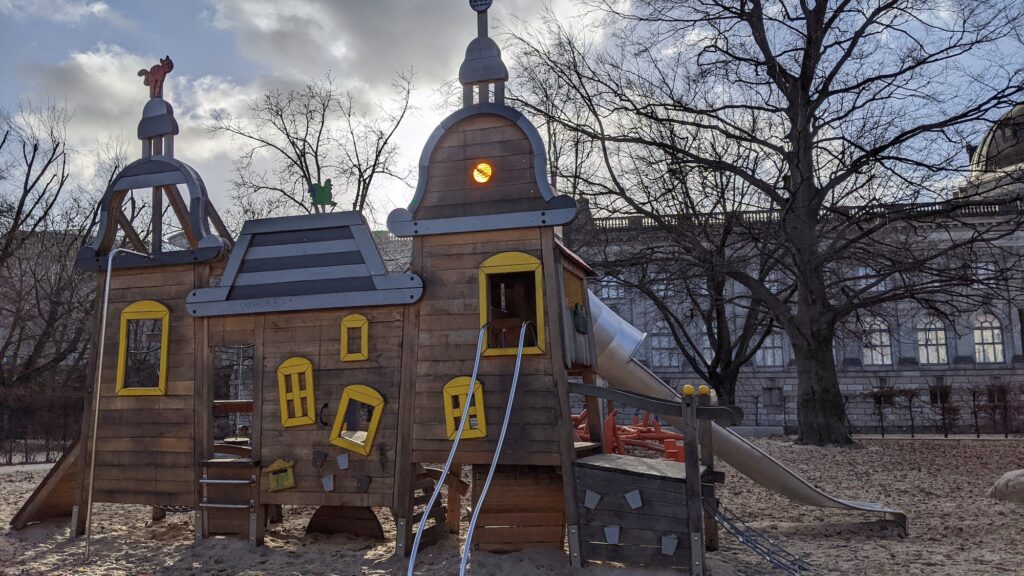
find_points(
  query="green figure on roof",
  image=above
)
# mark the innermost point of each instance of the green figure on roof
(322, 195)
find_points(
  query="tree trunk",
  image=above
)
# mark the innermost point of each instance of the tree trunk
(821, 418)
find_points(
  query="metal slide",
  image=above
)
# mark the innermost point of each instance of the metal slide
(617, 341)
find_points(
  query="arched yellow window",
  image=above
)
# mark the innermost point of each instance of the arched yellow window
(355, 335)
(456, 392)
(355, 425)
(512, 292)
(295, 390)
(142, 349)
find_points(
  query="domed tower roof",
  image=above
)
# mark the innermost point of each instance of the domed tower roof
(1003, 145)
(484, 167)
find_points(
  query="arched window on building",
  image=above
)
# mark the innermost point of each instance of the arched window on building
(771, 354)
(988, 339)
(877, 343)
(931, 342)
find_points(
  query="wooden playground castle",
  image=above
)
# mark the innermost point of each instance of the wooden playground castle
(362, 378)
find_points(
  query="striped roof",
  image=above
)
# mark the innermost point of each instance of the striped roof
(308, 262)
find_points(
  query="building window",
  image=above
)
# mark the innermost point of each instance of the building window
(773, 398)
(988, 339)
(931, 342)
(142, 349)
(939, 392)
(359, 414)
(456, 393)
(997, 394)
(610, 289)
(877, 343)
(355, 335)
(295, 391)
(770, 354)
(511, 293)
(664, 352)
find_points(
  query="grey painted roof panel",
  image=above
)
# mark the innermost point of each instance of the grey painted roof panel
(308, 262)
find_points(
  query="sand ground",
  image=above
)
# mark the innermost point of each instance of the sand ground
(955, 529)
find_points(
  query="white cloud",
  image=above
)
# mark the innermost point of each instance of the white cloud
(63, 11)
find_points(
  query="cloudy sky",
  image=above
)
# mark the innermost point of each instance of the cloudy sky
(86, 53)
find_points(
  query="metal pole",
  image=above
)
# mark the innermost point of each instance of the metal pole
(96, 393)
(497, 452)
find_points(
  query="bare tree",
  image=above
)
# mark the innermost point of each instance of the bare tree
(910, 396)
(974, 396)
(845, 123)
(293, 140)
(33, 171)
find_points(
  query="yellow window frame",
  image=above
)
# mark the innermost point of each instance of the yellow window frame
(143, 310)
(365, 395)
(353, 321)
(458, 388)
(506, 263)
(290, 375)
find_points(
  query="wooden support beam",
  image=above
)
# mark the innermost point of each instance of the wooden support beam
(214, 218)
(724, 415)
(181, 212)
(129, 231)
(157, 221)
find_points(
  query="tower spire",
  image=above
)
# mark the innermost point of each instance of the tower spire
(482, 68)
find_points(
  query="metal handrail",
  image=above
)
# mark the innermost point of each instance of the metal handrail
(497, 451)
(451, 453)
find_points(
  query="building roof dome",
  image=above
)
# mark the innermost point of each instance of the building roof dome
(1003, 145)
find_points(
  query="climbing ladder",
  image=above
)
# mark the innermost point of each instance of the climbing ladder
(762, 545)
(229, 494)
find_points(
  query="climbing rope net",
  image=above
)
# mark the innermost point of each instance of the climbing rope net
(763, 546)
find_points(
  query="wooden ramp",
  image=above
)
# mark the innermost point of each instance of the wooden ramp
(55, 495)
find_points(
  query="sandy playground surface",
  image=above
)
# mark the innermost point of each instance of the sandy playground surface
(955, 529)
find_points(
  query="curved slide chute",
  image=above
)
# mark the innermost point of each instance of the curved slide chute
(617, 341)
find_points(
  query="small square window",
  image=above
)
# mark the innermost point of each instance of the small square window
(355, 333)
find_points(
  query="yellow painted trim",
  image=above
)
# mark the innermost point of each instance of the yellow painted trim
(505, 263)
(459, 388)
(290, 376)
(143, 310)
(355, 321)
(366, 395)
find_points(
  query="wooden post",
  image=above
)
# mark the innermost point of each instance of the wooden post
(78, 514)
(566, 438)
(694, 498)
(257, 427)
(595, 416)
(707, 455)
(402, 501)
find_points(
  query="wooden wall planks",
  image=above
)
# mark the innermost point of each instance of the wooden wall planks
(316, 336)
(145, 444)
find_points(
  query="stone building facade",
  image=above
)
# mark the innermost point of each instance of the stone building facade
(906, 368)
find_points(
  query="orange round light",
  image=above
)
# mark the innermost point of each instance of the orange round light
(482, 172)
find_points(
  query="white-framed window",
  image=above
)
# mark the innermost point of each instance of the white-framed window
(986, 268)
(706, 350)
(611, 289)
(931, 342)
(864, 276)
(664, 352)
(988, 339)
(877, 350)
(772, 351)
